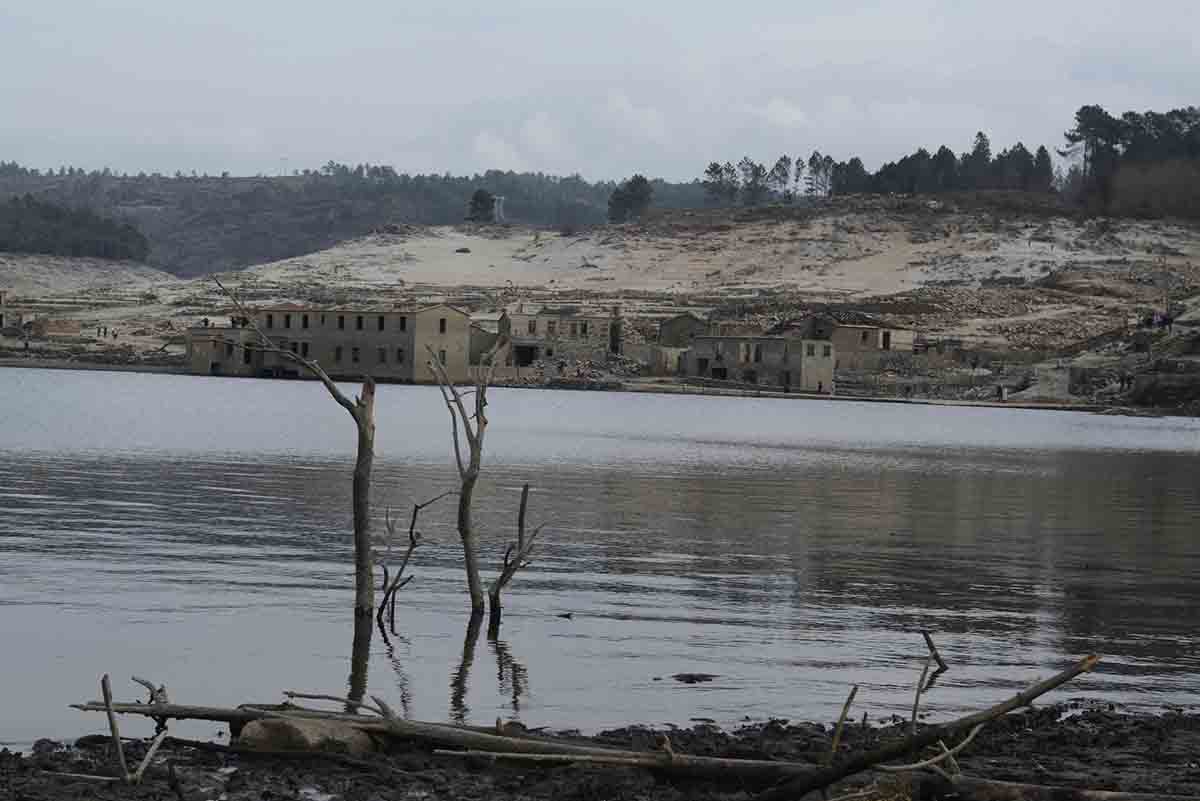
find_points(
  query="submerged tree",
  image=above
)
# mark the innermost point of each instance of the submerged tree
(469, 424)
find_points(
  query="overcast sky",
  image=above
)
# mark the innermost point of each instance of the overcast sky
(601, 87)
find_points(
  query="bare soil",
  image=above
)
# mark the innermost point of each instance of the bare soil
(1094, 748)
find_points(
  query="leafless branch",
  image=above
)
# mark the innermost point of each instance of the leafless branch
(106, 691)
(912, 727)
(308, 364)
(837, 733)
(335, 698)
(391, 586)
(937, 760)
(516, 556)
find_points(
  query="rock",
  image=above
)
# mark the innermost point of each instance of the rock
(694, 678)
(305, 735)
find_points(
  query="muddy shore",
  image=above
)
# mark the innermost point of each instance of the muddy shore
(1067, 745)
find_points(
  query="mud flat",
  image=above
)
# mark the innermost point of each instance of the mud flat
(1074, 745)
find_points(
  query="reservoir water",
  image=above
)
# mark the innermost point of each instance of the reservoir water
(197, 531)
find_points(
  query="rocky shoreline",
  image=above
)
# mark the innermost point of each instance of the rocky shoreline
(1077, 746)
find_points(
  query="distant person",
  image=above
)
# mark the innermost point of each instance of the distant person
(820, 387)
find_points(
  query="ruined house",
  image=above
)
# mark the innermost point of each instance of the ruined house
(571, 333)
(11, 317)
(678, 331)
(387, 344)
(780, 362)
(860, 341)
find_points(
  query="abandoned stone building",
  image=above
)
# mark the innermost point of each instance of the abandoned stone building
(9, 317)
(788, 363)
(389, 345)
(572, 333)
(678, 331)
(860, 344)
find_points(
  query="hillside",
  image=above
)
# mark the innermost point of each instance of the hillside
(1001, 278)
(198, 225)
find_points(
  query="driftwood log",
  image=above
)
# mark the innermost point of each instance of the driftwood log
(820, 779)
(791, 780)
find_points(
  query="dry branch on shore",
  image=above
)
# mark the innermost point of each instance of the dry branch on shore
(791, 780)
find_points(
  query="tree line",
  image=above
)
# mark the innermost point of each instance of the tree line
(28, 225)
(1141, 164)
(752, 183)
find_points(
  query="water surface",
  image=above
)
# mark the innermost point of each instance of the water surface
(197, 530)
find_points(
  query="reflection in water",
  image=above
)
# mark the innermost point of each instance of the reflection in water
(792, 548)
(403, 685)
(460, 678)
(512, 676)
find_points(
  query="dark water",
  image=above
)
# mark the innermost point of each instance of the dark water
(196, 531)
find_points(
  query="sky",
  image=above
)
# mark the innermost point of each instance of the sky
(603, 88)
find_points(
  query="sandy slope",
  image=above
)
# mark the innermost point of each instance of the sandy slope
(57, 275)
(843, 255)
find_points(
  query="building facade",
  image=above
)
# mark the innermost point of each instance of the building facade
(564, 332)
(680, 330)
(787, 363)
(860, 345)
(389, 345)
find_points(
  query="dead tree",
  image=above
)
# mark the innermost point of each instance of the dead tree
(516, 556)
(474, 426)
(362, 410)
(392, 585)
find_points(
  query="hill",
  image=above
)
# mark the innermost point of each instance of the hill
(28, 225)
(198, 225)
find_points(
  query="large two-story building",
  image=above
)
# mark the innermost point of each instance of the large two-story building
(787, 363)
(861, 343)
(387, 344)
(543, 333)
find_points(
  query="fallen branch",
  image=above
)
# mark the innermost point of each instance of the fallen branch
(671, 760)
(319, 697)
(947, 754)
(824, 777)
(106, 690)
(158, 741)
(85, 776)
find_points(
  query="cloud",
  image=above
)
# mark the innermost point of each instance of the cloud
(642, 122)
(532, 84)
(546, 141)
(783, 113)
(493, 152)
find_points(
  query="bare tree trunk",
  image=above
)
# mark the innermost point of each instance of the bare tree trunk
(515, 558)
(360, 658)
(474, 583)
(362, 410)
(364, 563)
(474, 427)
